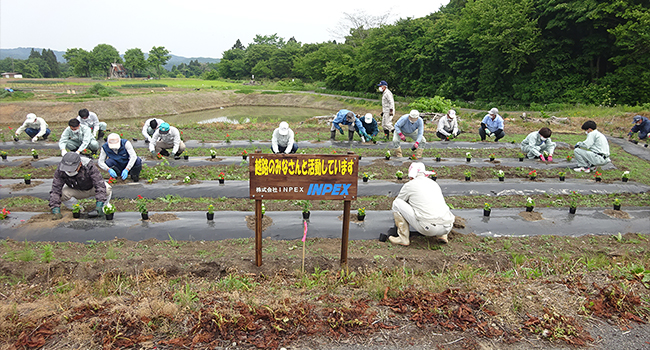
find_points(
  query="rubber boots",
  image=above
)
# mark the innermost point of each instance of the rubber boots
(350, 135)
(398, 152)
(419, 152)
(402, 230)
(387, 133)
(333, 135)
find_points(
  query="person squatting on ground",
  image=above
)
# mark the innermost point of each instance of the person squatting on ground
(421, 205)
(387, 108)
(76, 178)
(642, 126)
(492, 124)
(165, 137)
(77, 138)
(150, 127)
(538, 142)
(448, 126)
(90, 120)
(117, 156)
(282, 140)
(592, 152)
(370, 124)
(410, 125)
(35, 127)
(346, 117)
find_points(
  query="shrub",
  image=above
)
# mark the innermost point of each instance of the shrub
(436, 104)
(101, 90)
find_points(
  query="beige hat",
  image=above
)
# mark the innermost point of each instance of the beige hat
(414, 115)
(494, 111)
(30, 118)
(284, 128)
(452, 114)
(113, 141)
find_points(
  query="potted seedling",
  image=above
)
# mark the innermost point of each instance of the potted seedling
(491, 157)
(109, 210)
(433, 175)
(487, 209)
(530, 204)
(159, 156)
(142, 207)
(532, 175)
(572, 206)
(361, 214)
(413, 157)
(305, 205)
(521, 157)
(626, 176)
(468, 175)
(186, 156)
(387, 155)
(569, 158)
(597, 176)
(617, 204)
(222, 178)
(263, 209)
(227, 138)
(76, 211)
(468, 157)
(28, 179)
(438, 157)
(34, 154)
(244, 154)
(365, 177)
(210, 214)
(3, 154)
(213, 153)
(4, 213)
(399, 174)
(501, 175)
(562, 175)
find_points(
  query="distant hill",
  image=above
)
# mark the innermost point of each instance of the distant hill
(22, 53)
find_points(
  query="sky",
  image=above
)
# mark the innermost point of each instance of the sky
(188, 28)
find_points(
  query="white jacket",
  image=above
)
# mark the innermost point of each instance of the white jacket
(38, 124)
(172, 137)
(447, 127)
(425, 197)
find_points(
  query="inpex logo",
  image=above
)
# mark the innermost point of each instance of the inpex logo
(323, 189)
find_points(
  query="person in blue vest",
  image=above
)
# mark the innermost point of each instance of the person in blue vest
(346, 117)
(642, 126)
(118, 157)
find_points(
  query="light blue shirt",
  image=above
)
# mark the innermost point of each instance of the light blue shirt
(341, 119)
(404, 126)
(493, 125)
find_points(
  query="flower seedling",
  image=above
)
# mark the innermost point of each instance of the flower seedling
(187, 180)
(626, 174)
(305, 205)
(142, 205)
(487, 207)
(27, 176)
(227, 138)
(414, 157)
(532, 174)
(4, 213)
(492, 156)
(213, 152)
(3, 154)
(109, 209)
(561, 174)
(468, 173)
(111, 180)
(569, 158)
(222, 176)
(159, 156)
(617, 201)
(76, 208)
(210, 209)
(433, 174)
(387, 154)
(530, 202)
(500, 173)
(361, 211)
(34, 153)
(521, 155)
(573, 204)
(244, 153)
(468, 155)
(597, 175)
(399, 174)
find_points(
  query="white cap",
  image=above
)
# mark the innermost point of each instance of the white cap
(113, 141)
(284, 128)
(31, 117)
(414, 114)
(368, 118)
(494, 111)
(452, 113)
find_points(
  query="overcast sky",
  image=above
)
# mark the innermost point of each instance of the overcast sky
(189, 28)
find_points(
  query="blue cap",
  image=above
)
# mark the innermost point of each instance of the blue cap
(164, 127)
(382, 83)
(637, 118)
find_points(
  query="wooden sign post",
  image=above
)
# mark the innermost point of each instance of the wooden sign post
(303, 176)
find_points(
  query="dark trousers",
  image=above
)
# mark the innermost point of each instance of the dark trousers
(135, 171)
(281, 149)
(33, 132)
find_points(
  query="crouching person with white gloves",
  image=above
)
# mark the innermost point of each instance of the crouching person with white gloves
(421, 205)
(77, 178)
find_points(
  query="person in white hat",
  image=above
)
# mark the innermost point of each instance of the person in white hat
(117, 156)
(370, 124)
(283, 140)
(492, 124)
(421, 205)
(410, 125)
(448, 126)
(35, 127)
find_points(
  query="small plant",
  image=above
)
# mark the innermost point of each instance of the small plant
(3, 154)
(487, 207)
(187, 180)
(492, 156)
(521, 155)
(361, 211)
(597, 174)
(399, 174)
(569, 158)
(210, 209)
(222, 176)
(500, 173)
(159, 156)
(76, 208)
(573, 203)
(387, 154)
(532, 174)
(109, 209)
(213, 152)
(244, 153)
(111, 180)
(530, 202)
(413, 157)
(626, 175)
(433, 174)
(561, 174)
(227, 138)
(468, 155)
(4, 213)
(617, 201)
(263, 209)
(142, 205)
(27, 176)
(34, 153)
(468, 173)
(305, 205)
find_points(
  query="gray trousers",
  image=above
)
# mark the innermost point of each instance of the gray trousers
(72, 145)
(70, 196)
(413, 136)
(586, 158)
(169, 146)
(536, 151)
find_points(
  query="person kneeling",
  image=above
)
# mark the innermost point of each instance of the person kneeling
(117, 156)
(282, 140)
(421, 205)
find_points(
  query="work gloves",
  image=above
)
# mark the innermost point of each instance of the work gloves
(550, 158)
(341, 131)
(56, 213)
(415, 146)
(112, 173)
(402, 137)
(125, 173)
(541, 157)
(98, 210)
(35, 139)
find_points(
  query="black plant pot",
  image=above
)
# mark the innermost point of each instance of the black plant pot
(221, 181)
(145, 216)
(209, 216)
(434, 178)
(529, 209)
(467, 178)
(468, 159)
(28, 181)
(486, 212)
(76, 215)
(561, 178)
(244, 157)
(109, 216)
(35, 156)
(305, 215)
(438, 159)
(135, 140)
(4, 157)
(572, 210)
(501, 179)
(624, 179)
(491, 159)
(213, 156)
(399, 177)
(521, 159)
(186, 157)
(387, 158)
(383, 237)
(617, 207)
(598, 179)
(360, 217)
(365, 179)
(533, 178)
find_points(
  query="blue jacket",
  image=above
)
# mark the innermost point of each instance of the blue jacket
(643, 129)
(121, 157)
(341, 119)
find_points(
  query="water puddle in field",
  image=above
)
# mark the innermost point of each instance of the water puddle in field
(248, 114)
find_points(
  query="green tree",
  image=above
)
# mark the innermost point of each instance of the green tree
(50, 58)
(134, 61)
(102, 57)
(158, 57)
(79, 60)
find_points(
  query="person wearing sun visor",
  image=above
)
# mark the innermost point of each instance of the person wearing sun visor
(117, 156)
(76, 178)
(164, 138)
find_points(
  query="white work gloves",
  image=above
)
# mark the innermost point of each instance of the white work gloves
(35, 139)
(63, 152)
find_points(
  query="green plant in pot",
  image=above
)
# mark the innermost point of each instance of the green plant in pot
(28, 179)
(530, 204)
(3, 154)
(501, 175)
(617, 204)
(626, 176)
(305, 205)
(109, 211)
(399, 174)
(76, 210)
(361, 214)
(487, 209)
(562, 175)
(210, 214)
(142, 207)
(468, 175)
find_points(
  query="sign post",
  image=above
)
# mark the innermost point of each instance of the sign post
(303, 176)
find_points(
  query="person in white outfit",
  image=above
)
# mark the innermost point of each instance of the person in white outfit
(283, 140)
(448, 126)
(150, 127)
(35, 127)
(421, 205)
(91, 120)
